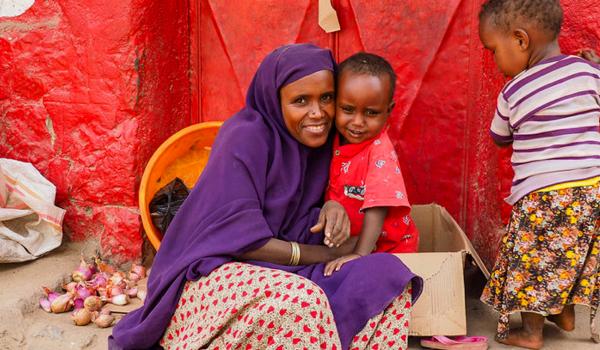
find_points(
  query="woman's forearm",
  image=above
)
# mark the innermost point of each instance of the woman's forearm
(277, 251)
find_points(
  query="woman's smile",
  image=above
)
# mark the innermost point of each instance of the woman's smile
(308, 106)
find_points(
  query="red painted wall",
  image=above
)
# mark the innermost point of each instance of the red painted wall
(87, 92)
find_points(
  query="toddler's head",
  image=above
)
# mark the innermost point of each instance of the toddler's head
(365, 90)
(519, 31)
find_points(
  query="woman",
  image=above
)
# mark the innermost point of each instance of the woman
(257, 200)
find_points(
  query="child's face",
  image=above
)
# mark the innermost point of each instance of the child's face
(307, 105)
(362, 105)
(509, 49)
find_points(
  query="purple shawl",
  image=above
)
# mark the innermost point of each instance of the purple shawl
(260, 183)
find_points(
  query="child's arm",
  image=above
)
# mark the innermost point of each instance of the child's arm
(500, 130)
(502, 144)
(371, 230)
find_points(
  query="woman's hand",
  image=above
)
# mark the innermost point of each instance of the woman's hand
(337, 264)
(334, 219)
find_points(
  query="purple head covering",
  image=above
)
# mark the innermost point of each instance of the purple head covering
(259, 183)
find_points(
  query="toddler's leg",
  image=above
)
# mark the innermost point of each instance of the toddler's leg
(529, 335)
(566, 319)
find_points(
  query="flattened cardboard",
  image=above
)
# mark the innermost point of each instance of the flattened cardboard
(443, 247)
(441, 307)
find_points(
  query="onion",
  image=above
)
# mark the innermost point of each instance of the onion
(84, 272)
(45, 304)
(98, 280)
(78, 303)
(134, 277)
(139, 270)
(82, 291)
(102, 292)
(121, 299)
(104, 321)
(62, 303)
(92, 303)
(141, 294)
(132, 292)
(116, 290)
(81, 317)
(118, 279)
(50, 294)
(70, 287)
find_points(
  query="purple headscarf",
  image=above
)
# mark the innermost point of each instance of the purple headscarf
(260, 183)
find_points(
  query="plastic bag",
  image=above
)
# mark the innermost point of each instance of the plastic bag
(30, 223)
(166, 202)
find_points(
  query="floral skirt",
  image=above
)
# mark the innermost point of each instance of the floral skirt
(243, 306)
(548, 257)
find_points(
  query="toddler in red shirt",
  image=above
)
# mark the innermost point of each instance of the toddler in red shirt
(365, 176)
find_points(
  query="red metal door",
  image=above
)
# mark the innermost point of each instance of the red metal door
(231, 40)
(430, 45)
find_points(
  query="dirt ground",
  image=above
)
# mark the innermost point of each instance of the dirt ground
(23, 325)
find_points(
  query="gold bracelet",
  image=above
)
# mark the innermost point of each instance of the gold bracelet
(295, 257)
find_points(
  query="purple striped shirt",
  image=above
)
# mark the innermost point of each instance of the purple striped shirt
(551, 114)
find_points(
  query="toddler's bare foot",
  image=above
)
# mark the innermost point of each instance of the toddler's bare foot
(521, 338)
(565, 320)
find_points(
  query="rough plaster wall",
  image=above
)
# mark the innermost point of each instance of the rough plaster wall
(85, 97)
(489, 170)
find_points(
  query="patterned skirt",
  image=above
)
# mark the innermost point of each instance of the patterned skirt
(242, 306)
(548, 257)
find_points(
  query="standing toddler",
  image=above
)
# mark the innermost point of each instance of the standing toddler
(549, 112)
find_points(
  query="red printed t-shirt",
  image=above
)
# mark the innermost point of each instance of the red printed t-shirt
(367, 175)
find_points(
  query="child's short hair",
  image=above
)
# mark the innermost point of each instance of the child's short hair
(547, 14)
(371, 64)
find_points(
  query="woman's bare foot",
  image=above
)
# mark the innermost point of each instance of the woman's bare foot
(522, 338)
(566, 319)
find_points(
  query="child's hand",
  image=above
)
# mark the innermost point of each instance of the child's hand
(334, 219)
(336, 265)
(589, 55)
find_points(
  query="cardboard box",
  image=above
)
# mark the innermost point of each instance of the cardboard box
(443, 248)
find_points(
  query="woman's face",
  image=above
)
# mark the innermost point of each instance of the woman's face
(308, 107)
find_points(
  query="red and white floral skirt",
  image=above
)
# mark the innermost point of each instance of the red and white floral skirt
(243, 306)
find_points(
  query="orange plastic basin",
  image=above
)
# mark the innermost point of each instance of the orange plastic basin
(182, 155)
